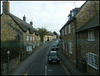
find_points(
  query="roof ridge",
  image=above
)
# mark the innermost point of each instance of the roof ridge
(22, 24)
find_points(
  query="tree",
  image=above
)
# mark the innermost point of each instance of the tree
(55, 33)
(42, 32)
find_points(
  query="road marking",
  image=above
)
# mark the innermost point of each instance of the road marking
(66, 71)
(45, 70)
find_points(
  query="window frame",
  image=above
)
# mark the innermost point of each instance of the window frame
(30, 38)
(33, 38)
(91, 60)
(65, 30)
(27, 38)
(69, 29)
(91, 35)
(70, 47)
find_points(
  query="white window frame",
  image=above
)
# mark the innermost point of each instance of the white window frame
(27, 38)
(28, 48)
(31, 38)
(92, 60)
(70, 47)
(73, 13)
(91, 35)
(69, 28)
(33, 45)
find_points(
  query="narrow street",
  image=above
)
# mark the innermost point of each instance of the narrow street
(40, 66)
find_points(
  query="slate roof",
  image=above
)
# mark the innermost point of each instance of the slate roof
(51, 34)
(23, 25)
(94, 22)
(73, 16)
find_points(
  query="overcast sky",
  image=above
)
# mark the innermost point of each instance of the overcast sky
(51, 15)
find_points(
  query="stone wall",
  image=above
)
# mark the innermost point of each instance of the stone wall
(13, 64)
(89, 46)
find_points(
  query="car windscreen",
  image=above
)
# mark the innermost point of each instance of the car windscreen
(54, 46)
(53, 54)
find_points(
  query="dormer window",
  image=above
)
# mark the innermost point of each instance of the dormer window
(73, 13)
(69, 16)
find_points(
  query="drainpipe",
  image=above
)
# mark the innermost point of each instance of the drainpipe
(76, 43)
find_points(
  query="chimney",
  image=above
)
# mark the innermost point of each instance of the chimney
(6, 7)
(24, 18)
(31, 23)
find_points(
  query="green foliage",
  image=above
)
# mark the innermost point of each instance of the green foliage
(11, 43)
(42, 32)
(55, 33)
(13, 46)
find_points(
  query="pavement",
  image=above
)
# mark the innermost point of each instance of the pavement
(25, 64)
(72, 70)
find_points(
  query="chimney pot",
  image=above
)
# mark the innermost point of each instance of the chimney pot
(24, 18)
(6, 7)
(31, 23)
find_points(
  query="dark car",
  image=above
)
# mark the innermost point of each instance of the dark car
(53, 57)
(57, 42)
(54, 47)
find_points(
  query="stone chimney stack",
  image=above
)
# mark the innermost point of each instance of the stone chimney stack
(24, 18)
(6, 7)
(31, 23)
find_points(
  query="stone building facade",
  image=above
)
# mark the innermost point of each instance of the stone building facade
(17, 35)
(49, 37)
(70, 38)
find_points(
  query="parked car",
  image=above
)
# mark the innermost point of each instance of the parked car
(54, 47)
(53, 57)
(57, 42)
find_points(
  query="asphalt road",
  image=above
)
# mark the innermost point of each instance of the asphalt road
(40, 66)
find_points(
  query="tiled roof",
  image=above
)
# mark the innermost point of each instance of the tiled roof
(94, 22)
(23, 25)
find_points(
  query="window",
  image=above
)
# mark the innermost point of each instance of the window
(31, 38)
(69, 17)
(28, 48)
(91, 35)
(62, 32)
(63, 46)
(73, 13)
(92, 60)
(66, 30)
(69, 29)
(37, 38)
(33, 45)
(70, 47)
(27, 38)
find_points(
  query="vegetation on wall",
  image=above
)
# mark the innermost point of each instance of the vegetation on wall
(13, 46)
